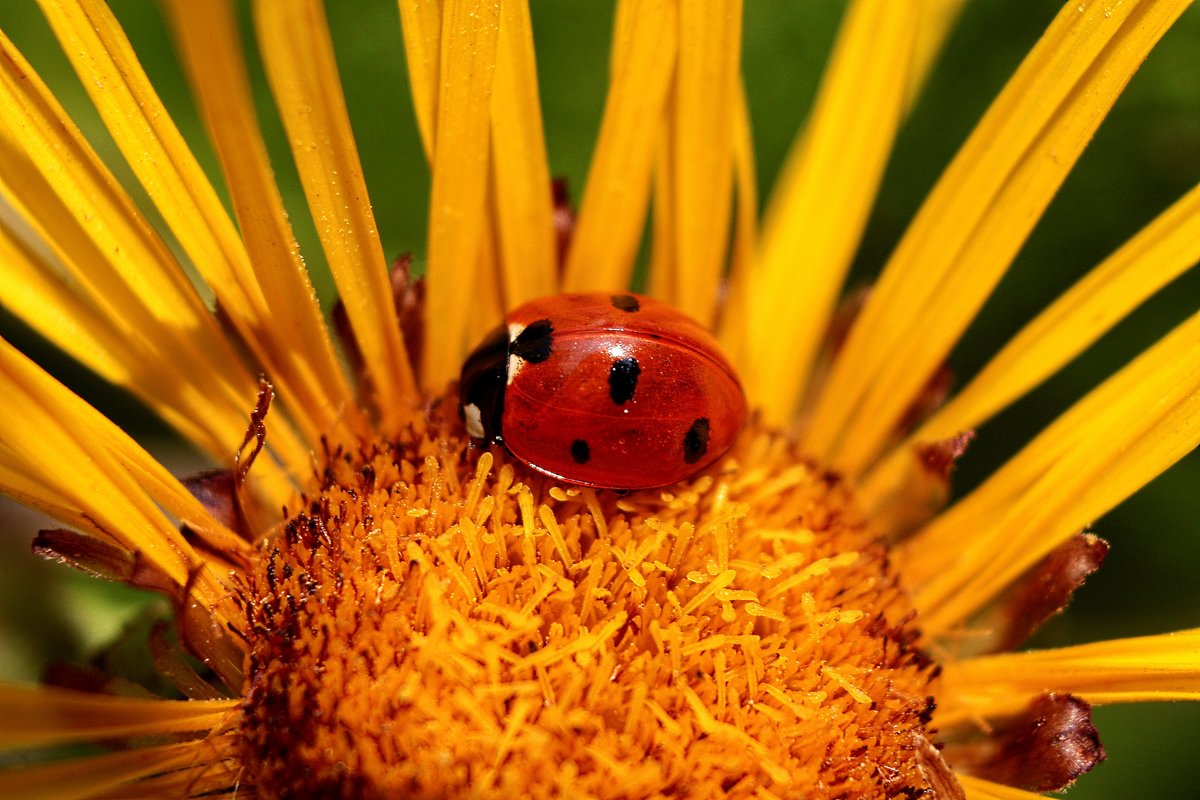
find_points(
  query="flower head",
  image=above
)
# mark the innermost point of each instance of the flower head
(368, 603)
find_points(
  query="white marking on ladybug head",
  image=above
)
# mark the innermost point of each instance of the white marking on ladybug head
(515, 362)
(473, 419)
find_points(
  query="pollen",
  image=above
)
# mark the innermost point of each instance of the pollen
(437, 621)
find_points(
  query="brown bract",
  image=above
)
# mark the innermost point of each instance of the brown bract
(437, 622)
(1044, 748)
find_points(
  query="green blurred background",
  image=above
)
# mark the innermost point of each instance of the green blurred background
(1145, 156)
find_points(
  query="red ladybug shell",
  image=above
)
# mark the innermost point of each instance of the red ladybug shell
(613, 391)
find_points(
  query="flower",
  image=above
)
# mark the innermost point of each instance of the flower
(428, 618)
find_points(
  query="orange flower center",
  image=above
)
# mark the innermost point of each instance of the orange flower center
(441, 622)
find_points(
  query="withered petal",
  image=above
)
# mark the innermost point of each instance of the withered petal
(937, 773)
(1048, 588)
(217, 491)
(1043, 749)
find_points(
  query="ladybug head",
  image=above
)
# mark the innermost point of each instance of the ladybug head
(481, 387)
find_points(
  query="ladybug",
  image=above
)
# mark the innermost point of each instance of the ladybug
(611, 391)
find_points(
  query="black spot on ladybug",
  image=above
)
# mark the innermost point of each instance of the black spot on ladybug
(534, 343)
(622, 379)
(580, 451)
(695, 441)
(626, 302)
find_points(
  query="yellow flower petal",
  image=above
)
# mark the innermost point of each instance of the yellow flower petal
(29, 490)
(524, 203)
(487, 307)
(824, 195)
(612, 213)
(54, 310)
(158, 155)
(520, 206)
(113, 488)
(1157, 255)
(1161, 252)
(79, 778)
(976, 219)
(154, 149)
(664, 265)
(702, 140)
(1111, 443)
(295, 343)
(40, 715)
(95, 504)
(458, 221)
(1163, 667)
(746, 181)
(731, 327)
(172, 351)
(298, 55)
(979, 789)
(421, 24)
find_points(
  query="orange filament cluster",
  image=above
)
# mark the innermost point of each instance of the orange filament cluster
(438, 622)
